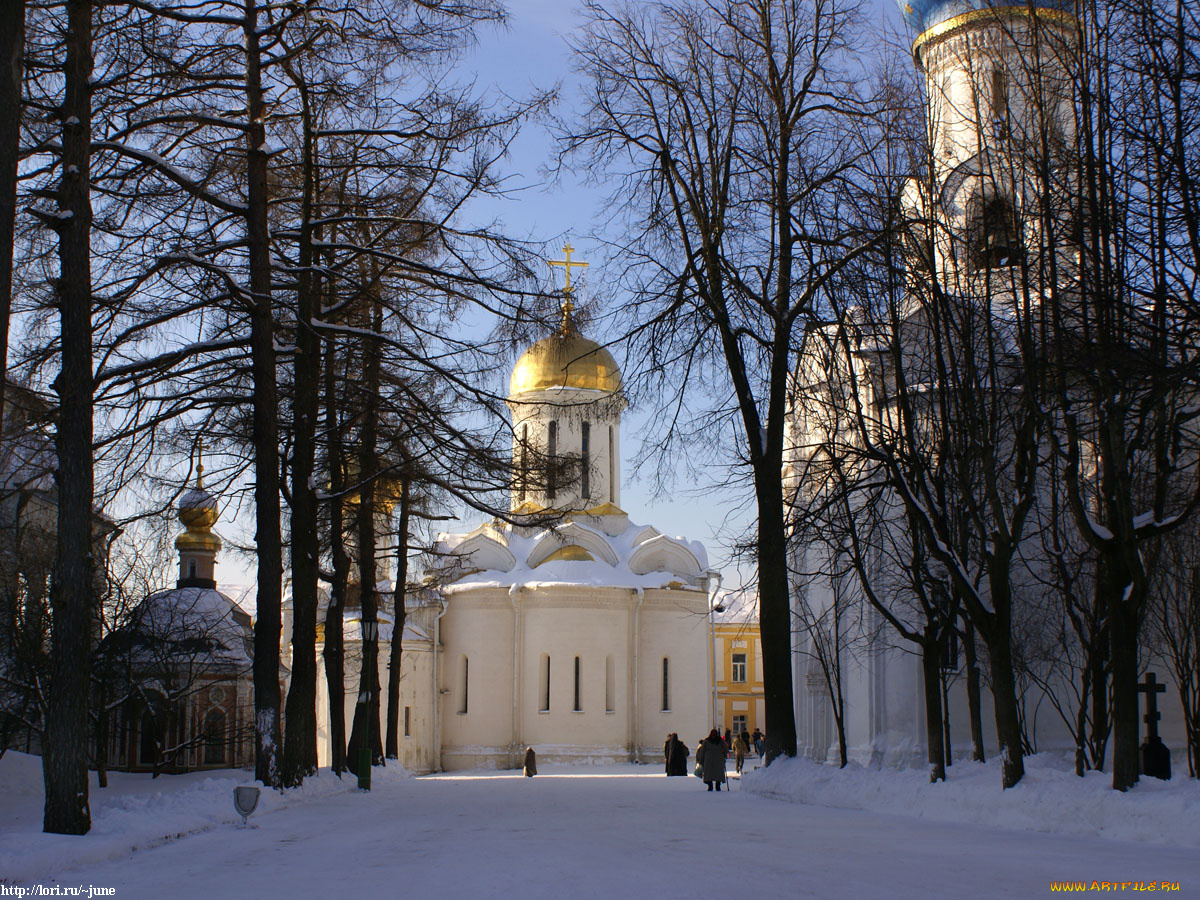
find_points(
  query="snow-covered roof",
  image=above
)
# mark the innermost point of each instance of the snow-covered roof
(197, 625)
(601, 551)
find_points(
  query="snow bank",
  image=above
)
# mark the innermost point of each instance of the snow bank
(1050, 798)
(136, 812)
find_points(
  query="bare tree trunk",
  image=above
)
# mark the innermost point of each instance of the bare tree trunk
(1004, 693)
(944, 688)
(64, 763)
(268, 626)
(775, 620)
(974, 701)
(931, 678)
(1123, 655)
(1097, 681)
(102, 727)
(365, 732)
(12, 66)
(300, 744)
(335, 645)
(1081, 722)
(394, 662)
(839, 719)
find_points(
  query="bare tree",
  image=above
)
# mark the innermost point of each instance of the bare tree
(724, 123)
(1126, 323)
(64, 760)
(830, 631)
(12, 68)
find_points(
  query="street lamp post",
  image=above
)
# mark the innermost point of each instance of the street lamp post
(713, 607)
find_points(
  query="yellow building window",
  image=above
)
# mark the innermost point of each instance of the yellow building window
(738, 668)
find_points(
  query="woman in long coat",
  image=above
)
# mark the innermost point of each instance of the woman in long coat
(711, 758)
(530, 763)
(678, 757)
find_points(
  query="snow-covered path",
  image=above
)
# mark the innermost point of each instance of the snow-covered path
(615, 832)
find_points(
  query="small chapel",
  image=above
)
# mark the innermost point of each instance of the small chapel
(563, 626)
(182, 661)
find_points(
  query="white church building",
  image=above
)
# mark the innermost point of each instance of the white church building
(563, 626)
(989, 71)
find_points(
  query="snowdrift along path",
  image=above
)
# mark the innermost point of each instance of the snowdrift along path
(611, 832)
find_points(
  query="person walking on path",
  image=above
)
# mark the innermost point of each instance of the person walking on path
(530, 763)
(739, 752)
(677, 755)
(711, 758)
(757, 737)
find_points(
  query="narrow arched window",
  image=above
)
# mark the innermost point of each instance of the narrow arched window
(999, 104)
(523, 469)
(586, 461)
(191, 568)
(612, 466)
(578, 707)
(666, 685)
(466, 678)
(552, 461)
(148, 738)
(214, 737)
(609, 685)
(544, 694)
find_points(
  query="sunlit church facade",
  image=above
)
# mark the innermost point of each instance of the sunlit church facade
(994, 77)
(563, 626)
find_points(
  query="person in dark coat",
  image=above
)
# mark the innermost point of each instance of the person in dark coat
(530, 763)
(677, 756)
(711, 758)
(757, 737)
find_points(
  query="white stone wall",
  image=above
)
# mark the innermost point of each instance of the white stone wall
(417, 751)
(615, 719)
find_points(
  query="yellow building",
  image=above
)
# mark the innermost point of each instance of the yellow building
(738, 695)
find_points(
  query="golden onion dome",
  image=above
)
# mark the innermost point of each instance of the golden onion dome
(198, 508)
(198, 512)
(565, 360)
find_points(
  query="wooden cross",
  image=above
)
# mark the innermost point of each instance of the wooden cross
(1151, 688)
(567, 264)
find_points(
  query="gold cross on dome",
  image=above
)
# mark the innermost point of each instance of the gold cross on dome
(567, 264)
(200, 463)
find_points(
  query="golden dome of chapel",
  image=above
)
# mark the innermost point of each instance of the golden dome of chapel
(198, 512)
(565, 359)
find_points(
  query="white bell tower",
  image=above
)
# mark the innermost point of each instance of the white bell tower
(566, 402)
(999, 110)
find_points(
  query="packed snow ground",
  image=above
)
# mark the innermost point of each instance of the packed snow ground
(610, 831)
